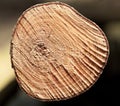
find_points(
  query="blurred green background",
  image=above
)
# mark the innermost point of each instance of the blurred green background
(105, 13)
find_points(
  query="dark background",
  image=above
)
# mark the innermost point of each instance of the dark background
(106, 91)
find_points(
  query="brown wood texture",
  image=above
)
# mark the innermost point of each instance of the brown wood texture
(56, 52)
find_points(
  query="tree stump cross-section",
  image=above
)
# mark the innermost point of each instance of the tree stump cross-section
(56, 52)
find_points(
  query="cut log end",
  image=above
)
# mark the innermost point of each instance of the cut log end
(56, 52)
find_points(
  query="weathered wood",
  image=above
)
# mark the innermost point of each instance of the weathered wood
(56, 52)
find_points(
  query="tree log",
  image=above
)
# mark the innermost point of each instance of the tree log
(56, 52)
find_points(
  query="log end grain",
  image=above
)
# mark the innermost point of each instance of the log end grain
(56, 52)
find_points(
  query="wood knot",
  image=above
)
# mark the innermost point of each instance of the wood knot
(40, 49)
(39, 54)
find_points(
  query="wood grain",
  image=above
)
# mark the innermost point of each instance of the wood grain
(56, 52)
